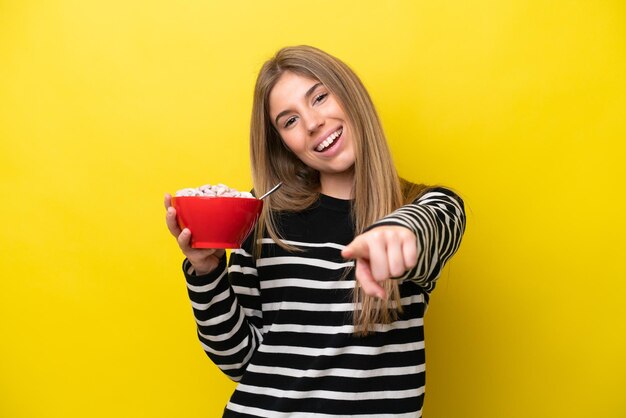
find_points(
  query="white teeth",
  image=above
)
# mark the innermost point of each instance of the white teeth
(326, 143)
(331, 138)
(322, 145)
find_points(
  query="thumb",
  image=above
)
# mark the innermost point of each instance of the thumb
(370, 286)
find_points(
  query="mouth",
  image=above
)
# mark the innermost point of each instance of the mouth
(330, 141)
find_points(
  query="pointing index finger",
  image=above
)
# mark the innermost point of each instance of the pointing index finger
(356, 249)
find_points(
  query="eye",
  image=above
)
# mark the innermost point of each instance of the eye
(290, 121)
(320, 98)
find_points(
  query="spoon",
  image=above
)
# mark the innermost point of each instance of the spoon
(272, 190)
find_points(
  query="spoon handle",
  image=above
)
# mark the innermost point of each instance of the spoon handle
(272, 190)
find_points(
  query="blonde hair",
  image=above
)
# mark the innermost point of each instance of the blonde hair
(377, 188)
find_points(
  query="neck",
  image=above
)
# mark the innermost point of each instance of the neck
(338, 185)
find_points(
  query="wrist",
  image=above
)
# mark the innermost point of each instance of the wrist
(205, 266)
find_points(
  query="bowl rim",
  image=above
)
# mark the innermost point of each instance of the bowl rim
(216, 197)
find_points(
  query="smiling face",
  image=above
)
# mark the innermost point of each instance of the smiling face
(315, 128)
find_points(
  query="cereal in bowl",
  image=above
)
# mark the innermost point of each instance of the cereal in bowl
(220, 190)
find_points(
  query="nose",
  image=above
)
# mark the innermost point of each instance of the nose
(313, 120)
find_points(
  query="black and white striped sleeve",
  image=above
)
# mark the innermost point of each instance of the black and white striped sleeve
(227, 308)
(438, 220)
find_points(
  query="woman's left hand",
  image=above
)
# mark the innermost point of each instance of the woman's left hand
(380, 254)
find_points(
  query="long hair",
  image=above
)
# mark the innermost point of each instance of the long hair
(377, 188)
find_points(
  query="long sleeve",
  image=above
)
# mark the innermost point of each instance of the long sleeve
(227, 308)
(438, 220)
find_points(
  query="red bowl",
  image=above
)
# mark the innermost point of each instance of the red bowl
(217, 222)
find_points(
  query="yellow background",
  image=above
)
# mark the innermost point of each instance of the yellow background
(518, 105)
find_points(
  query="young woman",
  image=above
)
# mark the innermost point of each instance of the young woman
(320, 313)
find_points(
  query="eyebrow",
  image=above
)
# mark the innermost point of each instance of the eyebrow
(308, 93)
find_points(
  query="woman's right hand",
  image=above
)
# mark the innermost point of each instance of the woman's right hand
(203, 260)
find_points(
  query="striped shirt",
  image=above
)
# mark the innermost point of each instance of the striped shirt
(282, 325)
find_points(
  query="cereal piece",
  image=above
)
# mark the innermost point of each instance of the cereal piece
(186, 192)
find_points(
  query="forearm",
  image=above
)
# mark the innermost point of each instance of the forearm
(223, 328)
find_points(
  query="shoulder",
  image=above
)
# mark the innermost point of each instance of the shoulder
(443, 192)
